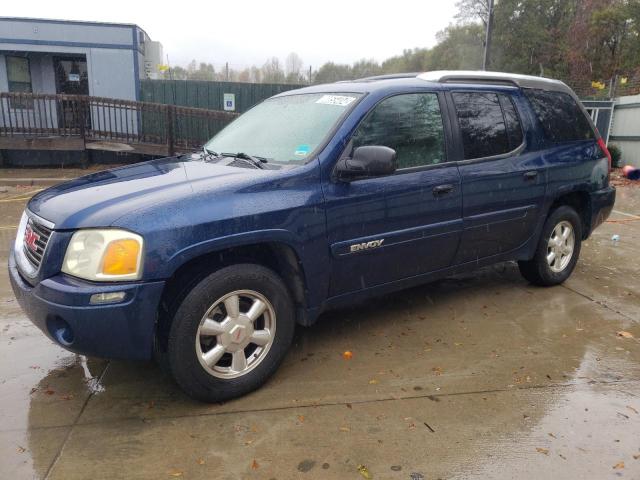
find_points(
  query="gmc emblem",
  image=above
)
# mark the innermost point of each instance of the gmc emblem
(30, 239)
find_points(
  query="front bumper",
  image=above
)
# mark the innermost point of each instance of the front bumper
(602, 202)
(59, 306)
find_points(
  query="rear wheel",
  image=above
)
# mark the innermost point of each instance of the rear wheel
(230, 333)
(558, 249)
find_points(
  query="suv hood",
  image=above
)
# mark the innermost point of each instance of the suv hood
(99, 199)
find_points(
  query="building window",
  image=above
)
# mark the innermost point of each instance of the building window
(19, 76)
(141, 38)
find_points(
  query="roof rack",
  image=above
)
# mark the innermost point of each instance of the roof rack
(389, 76)
(523, 81)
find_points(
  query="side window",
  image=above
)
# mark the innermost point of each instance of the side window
(19, 77)
(561, 118)
(512, 121)
(411, 124)
(482, 125)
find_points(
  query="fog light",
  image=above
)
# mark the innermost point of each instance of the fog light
(108, 297)
(60, 330)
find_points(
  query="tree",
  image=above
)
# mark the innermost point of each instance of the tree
(470, 11)
(333, 72)
(191, 67)
(459, 48)
(293, 67)
(272, 72)
(255, 75)
(365, 68)
(415, 60)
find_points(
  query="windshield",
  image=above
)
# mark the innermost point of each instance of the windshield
(284, 129)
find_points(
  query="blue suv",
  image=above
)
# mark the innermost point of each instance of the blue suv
(314, 199)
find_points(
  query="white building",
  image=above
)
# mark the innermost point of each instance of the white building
(88, 58)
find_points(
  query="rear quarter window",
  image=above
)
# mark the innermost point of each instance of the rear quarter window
(560, 116)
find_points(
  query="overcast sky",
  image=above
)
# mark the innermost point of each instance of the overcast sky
(244, 33)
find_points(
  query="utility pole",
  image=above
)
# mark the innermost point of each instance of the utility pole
(309, 74)
(226, 66)
(486, 61)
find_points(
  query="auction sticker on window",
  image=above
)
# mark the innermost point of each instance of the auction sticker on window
(339, 100)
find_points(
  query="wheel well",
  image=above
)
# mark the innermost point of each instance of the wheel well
(279, 257)
(580, 202)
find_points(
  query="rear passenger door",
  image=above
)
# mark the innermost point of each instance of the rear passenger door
(503, 185)
(412, 218)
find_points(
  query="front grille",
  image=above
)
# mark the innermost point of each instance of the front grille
(36, 237)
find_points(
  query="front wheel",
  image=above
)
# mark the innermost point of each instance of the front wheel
(230, 333)
(558, 249)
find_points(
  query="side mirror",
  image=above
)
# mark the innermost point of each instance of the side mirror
(367, 162)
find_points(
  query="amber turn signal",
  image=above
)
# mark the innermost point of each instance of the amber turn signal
(121, 257)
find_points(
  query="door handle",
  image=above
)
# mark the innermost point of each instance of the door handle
(530, 175)
(442, 190)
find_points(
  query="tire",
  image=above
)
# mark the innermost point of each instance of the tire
(204, 354)
(539, 270)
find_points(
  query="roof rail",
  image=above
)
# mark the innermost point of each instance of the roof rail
(388, 76)
(523, 81)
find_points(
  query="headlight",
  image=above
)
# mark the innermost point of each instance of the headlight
(104, 255)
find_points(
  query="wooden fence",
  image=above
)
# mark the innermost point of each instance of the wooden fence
(78, 122)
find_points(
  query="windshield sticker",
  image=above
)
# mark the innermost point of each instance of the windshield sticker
(302, 150)
(339, 100)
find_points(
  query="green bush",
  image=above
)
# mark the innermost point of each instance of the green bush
(616, 155)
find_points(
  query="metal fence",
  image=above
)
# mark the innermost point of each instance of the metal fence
(209, 95)
(625, 129)
(76, 122)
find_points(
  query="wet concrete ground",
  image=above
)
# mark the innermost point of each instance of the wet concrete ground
(479, 376)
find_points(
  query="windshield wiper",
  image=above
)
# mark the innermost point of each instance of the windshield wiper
(253, 160)
(210, 153)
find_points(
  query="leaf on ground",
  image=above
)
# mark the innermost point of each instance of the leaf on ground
(437, 370)
(618, 466)
(348, 355)
(21, 449)
(374, 381)
(48, 391)
(301, 418)
(632, 409)
(624, 334)
(200, 461)
(542, 450)
(345, 429)
(636, 457)
(254, 465)
(552, 435)
(364, 472)
(175, 473)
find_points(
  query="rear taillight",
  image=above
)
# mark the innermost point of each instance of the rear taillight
(605, 150)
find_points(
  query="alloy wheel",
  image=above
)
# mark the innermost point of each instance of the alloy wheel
(560, 246)
(235, 334)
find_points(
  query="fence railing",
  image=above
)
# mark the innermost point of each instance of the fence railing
(80, 121)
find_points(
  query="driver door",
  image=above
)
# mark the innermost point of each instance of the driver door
(402, 225)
